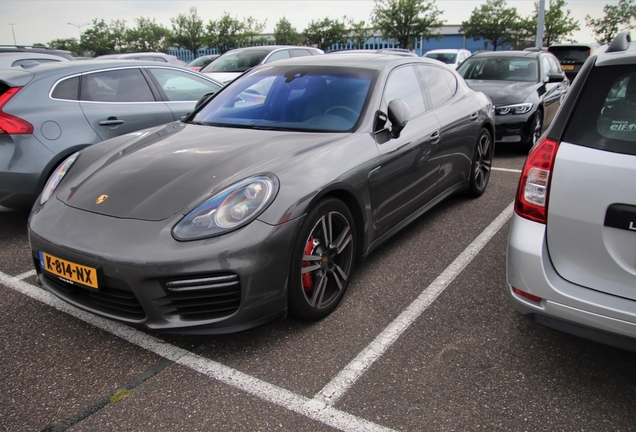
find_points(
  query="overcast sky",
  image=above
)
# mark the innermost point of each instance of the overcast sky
(43, 21)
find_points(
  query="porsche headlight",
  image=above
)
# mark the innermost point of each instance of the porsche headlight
(57, 177)
(228, 210)
(521, 108)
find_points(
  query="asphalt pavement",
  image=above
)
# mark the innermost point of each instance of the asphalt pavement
(424, 340)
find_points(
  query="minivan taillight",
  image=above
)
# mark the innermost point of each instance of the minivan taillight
(10, 124)
(534, 186)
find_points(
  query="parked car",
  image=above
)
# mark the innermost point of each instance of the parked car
(235, 62)
(37, 49)
(200, 62)
(572, 56)
(242, 212)
(147, 56)
(452, 57)
(27, 59)
(526, 88)
(50, 111)
(571, 255)
(390, 51)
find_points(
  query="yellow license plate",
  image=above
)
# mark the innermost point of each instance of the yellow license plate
(68, 271)
(567, 67)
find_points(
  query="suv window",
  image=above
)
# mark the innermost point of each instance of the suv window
(67, 89)
(278, 55)
(605, 117)
(124, 85)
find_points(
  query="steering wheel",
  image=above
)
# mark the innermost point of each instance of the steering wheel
(349, 113)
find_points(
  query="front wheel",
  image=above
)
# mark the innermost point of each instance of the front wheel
(322, 260)
(481, 164)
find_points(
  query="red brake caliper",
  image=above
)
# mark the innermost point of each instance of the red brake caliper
(307, 279)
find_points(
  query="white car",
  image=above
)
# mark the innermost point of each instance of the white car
(452, 57)
(16, 59)
(572, 246)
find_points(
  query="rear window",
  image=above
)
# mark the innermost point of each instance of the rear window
(605, 116)
(571, 54)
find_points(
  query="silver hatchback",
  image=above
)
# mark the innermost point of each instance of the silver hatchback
(50, 111)
(572, 245)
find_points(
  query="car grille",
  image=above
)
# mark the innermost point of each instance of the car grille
(201, 298)
(115, 302)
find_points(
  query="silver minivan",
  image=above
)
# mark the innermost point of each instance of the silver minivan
(571, 262)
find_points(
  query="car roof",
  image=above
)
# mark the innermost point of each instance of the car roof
(61, 69)
(35, 49)
(271, 48)
(513, 53)
(445, 50)
(376, 61)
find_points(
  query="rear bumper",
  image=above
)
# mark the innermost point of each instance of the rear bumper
(563, 306)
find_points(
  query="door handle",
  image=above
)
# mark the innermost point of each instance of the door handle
(111, 121)
(474, 116)
(434, 138)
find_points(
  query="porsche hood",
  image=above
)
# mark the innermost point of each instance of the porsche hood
(173, 168)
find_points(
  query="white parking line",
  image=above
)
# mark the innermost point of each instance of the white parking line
(354, 370)
(320, 407)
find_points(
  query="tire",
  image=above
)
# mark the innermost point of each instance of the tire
(322, 264)
(481, 164)
(535, 131)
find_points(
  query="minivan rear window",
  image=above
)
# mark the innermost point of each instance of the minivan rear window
(605, 116)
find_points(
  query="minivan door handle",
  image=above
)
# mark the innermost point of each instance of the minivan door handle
(111, 121)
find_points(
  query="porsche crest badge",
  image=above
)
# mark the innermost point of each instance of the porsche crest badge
(101, 199)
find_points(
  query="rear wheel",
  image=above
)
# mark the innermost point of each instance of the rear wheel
(322, 260)
(482, 164)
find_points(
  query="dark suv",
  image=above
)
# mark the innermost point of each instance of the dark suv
(572, 56)
(572, 245)
(526, 88)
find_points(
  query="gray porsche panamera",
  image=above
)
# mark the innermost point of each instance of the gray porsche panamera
(264, 198)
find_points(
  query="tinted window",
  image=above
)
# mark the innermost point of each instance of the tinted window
(500, 68)
(403, 84)
(312, 99)
(447, 58)
(441, 84)
(605, 117)
(238, 61)
(67, 89)
(574, 53)
(124, 85)
(182, 86)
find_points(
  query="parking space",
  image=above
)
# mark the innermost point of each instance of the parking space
(424, 340)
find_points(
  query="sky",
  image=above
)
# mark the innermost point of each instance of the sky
(29, 21)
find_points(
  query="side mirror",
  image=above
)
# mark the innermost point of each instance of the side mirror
(555, 78)
(399, 114)
(204, 99)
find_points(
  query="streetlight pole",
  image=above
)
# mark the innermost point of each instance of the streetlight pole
(13, 31)
(79, 30)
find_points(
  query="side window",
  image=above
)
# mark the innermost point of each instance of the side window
(555, 66)
(441, 84)
(182, 86)
(67, 89)
(403, 84)
(300, 53)
(278, 55)
(124, 85)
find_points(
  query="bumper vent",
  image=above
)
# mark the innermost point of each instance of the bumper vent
(115, 302)
(202, 298)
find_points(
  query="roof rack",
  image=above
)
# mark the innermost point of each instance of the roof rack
(621, 42)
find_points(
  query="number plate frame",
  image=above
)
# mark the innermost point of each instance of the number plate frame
(69, 271)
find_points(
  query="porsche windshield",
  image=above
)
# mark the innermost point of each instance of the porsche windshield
(300, 98)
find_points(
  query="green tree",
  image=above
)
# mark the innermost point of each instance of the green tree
(325, 33)
(359, 32)
(617, 17)
(228, 33)
(493, 22)
(285, 33)
(147, 36)
(252, 30)
(406, 20)
(70, 44)
(188, 31)
(105, 39)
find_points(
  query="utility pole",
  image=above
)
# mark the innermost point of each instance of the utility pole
(540, 24)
